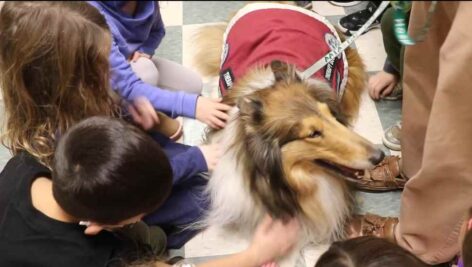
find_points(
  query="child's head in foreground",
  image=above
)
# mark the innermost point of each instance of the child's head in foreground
(54, 71)
(367, 252)
(109, 173)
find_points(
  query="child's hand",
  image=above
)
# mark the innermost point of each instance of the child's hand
(212, 112)
(136, 55)
(143, 113)
(381, 85)
(212, 154)
(273, 239)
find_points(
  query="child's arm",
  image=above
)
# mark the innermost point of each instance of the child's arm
(155, 36)
(272, 240)
(129, 86)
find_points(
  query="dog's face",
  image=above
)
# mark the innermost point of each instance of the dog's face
(293, 127)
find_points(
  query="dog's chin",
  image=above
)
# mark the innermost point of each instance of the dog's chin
(338, 169)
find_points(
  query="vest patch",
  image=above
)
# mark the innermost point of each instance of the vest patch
(333, 43)
(329, 70)
(227, 78)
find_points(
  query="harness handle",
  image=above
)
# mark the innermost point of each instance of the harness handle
(339, 49)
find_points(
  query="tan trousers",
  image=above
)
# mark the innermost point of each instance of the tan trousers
(437, 132)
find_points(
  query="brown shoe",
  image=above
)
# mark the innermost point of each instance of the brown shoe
(372, 225)
(386, 176)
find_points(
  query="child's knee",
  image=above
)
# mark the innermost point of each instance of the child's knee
(146, 70)
(195, 83)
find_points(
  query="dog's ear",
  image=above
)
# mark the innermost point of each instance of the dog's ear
(251, 109)
(264, 160)
(324, 93)
(267, 177)
(284, 72)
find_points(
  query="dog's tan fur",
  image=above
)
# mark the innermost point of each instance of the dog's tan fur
(210, 44)
(279, 129)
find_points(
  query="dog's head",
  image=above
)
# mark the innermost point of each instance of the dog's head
(294, 124)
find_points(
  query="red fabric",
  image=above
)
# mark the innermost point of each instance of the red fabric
(277, 34)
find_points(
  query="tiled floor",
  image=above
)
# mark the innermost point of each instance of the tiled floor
(184, 17)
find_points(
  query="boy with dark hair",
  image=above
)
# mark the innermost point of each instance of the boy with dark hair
(107, 174)
(99, 154)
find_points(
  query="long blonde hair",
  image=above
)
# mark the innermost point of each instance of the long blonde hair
(54, 72)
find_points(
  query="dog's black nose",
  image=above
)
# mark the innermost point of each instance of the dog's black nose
(378, 156)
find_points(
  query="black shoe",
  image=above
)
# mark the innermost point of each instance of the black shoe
(353, 22)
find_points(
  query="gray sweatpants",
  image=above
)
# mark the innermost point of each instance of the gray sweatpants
(167, 75)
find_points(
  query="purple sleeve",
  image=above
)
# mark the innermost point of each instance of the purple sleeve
(187, 164)
(129, 86)
(155, 36)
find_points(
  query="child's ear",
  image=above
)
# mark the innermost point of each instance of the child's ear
(469, 224)
(93, 229)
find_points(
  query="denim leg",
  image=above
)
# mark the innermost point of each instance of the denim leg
(186, 205)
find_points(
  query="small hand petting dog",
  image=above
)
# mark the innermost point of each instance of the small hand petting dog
(212, 112)
(208, 111)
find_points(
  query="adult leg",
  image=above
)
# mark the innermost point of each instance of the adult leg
(436, 143)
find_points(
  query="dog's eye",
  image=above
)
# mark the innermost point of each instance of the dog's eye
(314, 134)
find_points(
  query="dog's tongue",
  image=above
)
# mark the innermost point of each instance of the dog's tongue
(354, 173)
(346, 171)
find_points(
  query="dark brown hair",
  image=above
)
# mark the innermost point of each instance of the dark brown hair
(54, 72)
(367, 251)
(106, 170)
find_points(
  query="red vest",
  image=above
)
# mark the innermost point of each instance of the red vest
(262, 32)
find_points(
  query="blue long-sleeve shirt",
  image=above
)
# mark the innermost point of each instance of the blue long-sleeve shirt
(142, 32)
(186, 161)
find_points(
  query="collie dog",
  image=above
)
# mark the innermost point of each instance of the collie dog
(287, 147)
